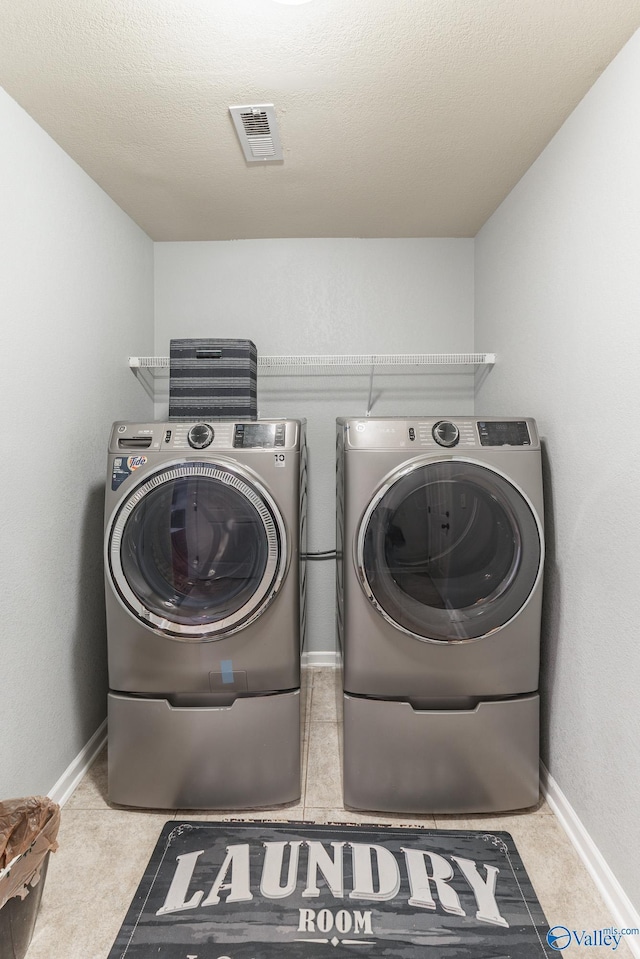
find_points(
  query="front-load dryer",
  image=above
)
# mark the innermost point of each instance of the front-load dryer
(439, 591)
(204, 528)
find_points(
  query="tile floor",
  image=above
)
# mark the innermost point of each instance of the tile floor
(104, 850)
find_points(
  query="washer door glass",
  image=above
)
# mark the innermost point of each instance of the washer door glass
(449, 551)
(196, 550)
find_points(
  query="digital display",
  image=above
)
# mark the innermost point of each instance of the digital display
(258, 435)
(504, 433)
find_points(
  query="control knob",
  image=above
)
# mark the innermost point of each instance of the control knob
(200, 436)
(446, 433)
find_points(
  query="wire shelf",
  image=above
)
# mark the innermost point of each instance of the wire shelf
(348, 363)
(150, 368)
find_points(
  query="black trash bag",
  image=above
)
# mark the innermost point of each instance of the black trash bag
(28, 831)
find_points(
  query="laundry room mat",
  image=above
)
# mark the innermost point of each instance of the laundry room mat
(260, 890)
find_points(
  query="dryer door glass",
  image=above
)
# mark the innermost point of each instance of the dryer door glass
(196, 550)
(449, 551)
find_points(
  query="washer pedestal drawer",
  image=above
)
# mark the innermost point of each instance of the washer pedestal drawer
(211, 757)
(401, 759)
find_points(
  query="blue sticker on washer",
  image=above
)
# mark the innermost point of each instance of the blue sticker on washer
(226, 668)
(123, 467)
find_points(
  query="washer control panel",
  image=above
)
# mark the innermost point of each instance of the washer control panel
(210, 435)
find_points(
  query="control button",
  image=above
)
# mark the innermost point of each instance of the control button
(412, 434)
(167, 436)
(200, 436)
(446, 433)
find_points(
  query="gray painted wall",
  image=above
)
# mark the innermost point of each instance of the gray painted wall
(558, 287)
(76, 293)
(557, 296)
(326, 296)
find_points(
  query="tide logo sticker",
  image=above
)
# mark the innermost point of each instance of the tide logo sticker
(135, 462)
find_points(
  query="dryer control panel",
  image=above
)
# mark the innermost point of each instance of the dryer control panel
(453, 434)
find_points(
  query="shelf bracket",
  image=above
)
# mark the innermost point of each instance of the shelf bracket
(144, 375)
(369, 401)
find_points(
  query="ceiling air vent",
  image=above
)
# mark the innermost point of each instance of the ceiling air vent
(257, 131)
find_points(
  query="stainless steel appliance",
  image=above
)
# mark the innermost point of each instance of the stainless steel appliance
(441, 546)
(204, 533)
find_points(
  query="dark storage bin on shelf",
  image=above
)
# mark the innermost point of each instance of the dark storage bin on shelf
(213, 378)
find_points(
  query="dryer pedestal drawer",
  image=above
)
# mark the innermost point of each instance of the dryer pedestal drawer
(219, 757)
(399, 759)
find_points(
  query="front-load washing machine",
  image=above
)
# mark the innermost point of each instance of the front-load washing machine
(439, 591)
(204, 530)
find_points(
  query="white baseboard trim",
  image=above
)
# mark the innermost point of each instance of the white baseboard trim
(623, 911)
(76, 770)
(326, 658)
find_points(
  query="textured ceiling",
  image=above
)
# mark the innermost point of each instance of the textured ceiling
(397, 117)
